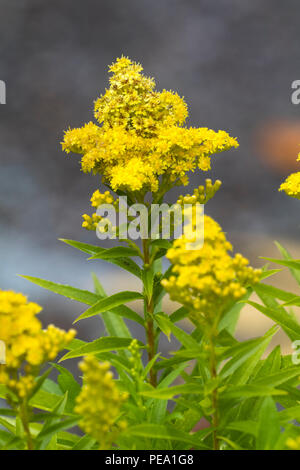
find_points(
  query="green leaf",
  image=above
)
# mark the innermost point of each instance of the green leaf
(109, 303)
(179, 314)
(286, 255)
(274, 292)
(126, 312)
(268, 431)
(148, 278)
(230, 318)
(67, 383)
(85, 443)
(159, 407)
(80, 295)
(290, 414)
(125, 263)
(54, 428)
(157, 431)
(149, 366)
(43, 438)
(232, 444)
(14, 443)
(293, 302)
(248, 391)
(39, 383)
(8, 424)
(42, 400)
(268, 273)
(241, 352)
(85, 247)
(116, 252)
(166, 393)
(160, 319)
(185, 339)
(269, 365)
(7, 412)
(100, 345)
(281, 317)
(292, 264)
(245, 427)
(278, 378)
(162, 243)
(114, 324)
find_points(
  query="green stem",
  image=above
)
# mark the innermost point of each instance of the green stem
(149, 309)
(214, 374)
(25, 422)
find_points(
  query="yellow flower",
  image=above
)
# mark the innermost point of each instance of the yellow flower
(99, 402)
(97, 199)
(27, 345)
(206, 280)
(291, 186)
(293, 444)
(141, 137)
(202, 194)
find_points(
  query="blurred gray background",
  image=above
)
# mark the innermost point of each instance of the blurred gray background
(234, 61)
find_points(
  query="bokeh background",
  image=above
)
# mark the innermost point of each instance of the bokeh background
(234, 61)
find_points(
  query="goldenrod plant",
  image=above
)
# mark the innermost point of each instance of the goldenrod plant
(131, 394)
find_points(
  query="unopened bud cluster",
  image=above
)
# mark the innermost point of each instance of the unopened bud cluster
(99, 402)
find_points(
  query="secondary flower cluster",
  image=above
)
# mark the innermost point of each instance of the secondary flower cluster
(99, 401)
(291, 186)
(205, 280)
(202, 194)
(97, 199)
(293, 444)
(27, 345)
(141, 137)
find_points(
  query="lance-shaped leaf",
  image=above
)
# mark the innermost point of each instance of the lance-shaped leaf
(292, 264)
(241, 352)
(278, 378)
(249, 391)
(116, 252)
(157, 431)
(126, 263)
(73, 293)
(281, 317)
(101, 345)
(268, 431)
(168, 326)
(83, 296)
(275, 292)
(165, 393)
(287, 256)
(109, 303)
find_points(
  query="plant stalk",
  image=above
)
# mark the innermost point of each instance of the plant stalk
(214, 374)
(149, 309)
(25, 423)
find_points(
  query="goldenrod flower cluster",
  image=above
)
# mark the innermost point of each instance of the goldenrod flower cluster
(135, 358)
(99, 402)
(202, 194)
(291, 185)
(293, 444)
(27, 345)
(141, 135)
(206, 280)
(97, 199)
